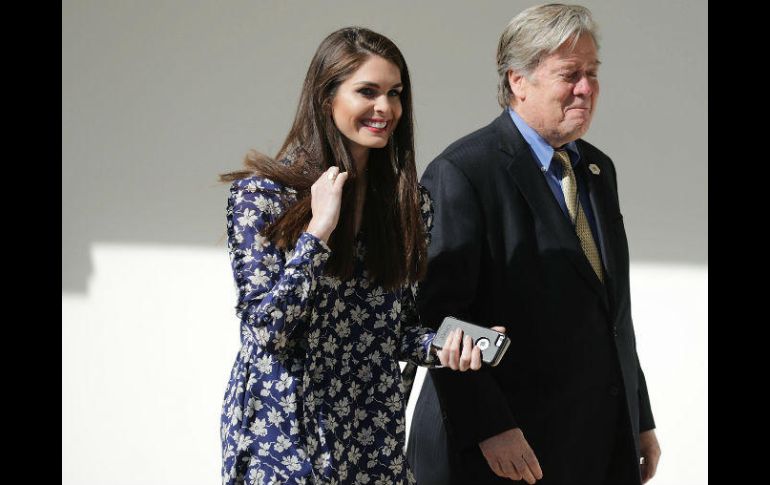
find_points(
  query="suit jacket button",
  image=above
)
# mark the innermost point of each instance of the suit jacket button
(614, 330)
(614, 390)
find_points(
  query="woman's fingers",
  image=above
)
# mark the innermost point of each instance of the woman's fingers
(465, 356)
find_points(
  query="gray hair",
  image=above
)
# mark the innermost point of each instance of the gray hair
(533, 34)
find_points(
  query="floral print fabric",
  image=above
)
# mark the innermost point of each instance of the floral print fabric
(315, 395)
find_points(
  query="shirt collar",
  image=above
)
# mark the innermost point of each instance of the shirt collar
(542, 150)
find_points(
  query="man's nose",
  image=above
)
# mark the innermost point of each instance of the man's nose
(584, 86)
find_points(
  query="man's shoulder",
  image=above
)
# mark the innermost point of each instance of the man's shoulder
(595, 156)
(592, 153)
(472, 149)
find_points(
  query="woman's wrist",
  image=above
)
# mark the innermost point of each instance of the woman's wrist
(318, 231)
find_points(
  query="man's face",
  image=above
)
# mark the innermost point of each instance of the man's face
(558, 99)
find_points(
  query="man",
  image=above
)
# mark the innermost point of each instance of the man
(528, 234)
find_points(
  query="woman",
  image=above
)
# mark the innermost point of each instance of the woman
(327, 244)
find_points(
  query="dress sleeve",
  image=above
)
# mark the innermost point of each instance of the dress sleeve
(275, 289)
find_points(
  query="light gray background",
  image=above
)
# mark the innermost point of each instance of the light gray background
(160, 96)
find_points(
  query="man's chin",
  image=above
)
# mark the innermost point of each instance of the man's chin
(578, 130)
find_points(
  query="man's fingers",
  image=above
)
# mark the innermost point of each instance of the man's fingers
(648, 469)
(523, 469)
(495, 466)
(509, 470)
(533, 464)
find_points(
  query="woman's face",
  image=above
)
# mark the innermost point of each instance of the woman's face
(367, 106)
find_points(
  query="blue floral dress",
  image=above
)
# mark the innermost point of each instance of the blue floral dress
(315, 395)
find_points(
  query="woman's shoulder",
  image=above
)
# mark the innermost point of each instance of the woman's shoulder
(261, 195)
(259, 184)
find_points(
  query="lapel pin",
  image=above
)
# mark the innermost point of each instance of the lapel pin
(594, 169)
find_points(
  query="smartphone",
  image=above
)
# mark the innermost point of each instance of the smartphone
(492, 344)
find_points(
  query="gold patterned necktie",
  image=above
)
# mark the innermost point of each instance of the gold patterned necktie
(576, 213)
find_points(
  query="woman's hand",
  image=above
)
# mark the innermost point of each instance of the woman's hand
(325, 202)
(469, 357)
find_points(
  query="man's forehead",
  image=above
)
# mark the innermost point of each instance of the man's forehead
(576, 60)
(574, 56)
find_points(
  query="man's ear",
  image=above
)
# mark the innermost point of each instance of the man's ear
(518, 84)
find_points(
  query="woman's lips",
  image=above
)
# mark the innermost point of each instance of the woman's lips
(375, 125)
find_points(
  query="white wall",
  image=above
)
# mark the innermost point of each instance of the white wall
(159, 96)
(146, 355)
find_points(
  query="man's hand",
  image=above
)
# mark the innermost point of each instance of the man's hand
(650, 451)
(509, 455)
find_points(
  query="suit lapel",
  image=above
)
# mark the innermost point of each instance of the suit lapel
(533, 186)
(597, 195)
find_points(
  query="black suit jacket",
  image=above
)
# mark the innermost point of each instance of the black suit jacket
(503, 253)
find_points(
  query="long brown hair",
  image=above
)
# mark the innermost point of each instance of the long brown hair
(395, 237)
